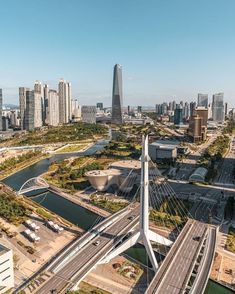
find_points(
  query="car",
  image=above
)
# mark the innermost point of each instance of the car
(197, 238)
(96, 243)
(131, 217)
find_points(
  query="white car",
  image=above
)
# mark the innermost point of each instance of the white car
(96, 243)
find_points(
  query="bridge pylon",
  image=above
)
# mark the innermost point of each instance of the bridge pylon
(143, 234)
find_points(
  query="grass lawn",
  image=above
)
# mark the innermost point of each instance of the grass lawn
(72, 148)
(230, 244)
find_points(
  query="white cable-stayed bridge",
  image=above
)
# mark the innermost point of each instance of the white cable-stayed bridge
(189, 249)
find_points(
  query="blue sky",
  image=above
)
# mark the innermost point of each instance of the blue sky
(168, 48)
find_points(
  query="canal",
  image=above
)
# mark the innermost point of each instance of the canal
(74, 213)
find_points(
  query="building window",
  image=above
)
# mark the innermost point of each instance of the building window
(5, 270)
(4, 262)
(6, 278)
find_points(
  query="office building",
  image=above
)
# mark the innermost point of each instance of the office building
(100, 106)
(6, 269)
(203, 113)
(195, 130)
(186, 110)
(76, 110)
(218, 107)
(5, 123)
(192, 107)
(22, 103)
(117, 98)
(0, 109)
(64, 92)
(139, 109)
(52, 115)
(89, 114)
(161, 151)
(178, 115)
(202, 100)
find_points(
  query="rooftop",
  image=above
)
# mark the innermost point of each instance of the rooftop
(3, 249)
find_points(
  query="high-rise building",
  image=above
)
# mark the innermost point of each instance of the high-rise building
(139, 109)
(218, 107)
(37, 109)
(89, 114)
(192, 107)
(76, 110)
(64, 91)
(209, 111)
(117, 99)
(203, 113)
(52, 116)
(100, 105)
(195, 128)
(158, 108)
(29, 111)
(39, 104)
(186, 110)
(225, 109)
(0, 109)
(22, 102)
(202, 100)
(164, 108)
(178, 115)
(45, 102)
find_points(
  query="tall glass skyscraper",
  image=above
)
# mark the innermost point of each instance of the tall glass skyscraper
(117, 99)
(218, 107)
(202, 100)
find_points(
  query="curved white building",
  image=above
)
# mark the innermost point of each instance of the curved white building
(122, 173)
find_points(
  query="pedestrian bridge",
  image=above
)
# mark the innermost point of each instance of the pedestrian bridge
(33, 184)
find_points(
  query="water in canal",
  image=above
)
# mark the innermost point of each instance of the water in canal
(59, 205)
(215, 288)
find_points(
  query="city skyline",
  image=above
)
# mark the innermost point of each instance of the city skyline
(176, 51)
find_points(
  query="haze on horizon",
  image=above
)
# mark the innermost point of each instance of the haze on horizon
(168, 49)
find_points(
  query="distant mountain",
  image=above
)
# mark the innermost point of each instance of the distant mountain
(10, 106)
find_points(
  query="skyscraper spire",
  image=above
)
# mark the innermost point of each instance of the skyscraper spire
(117, 99)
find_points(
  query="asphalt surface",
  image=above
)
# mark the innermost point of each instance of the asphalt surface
(177, 271)
(205, 272)
(85, 259)
(226, 175)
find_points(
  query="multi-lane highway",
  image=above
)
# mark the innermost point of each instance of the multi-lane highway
(90, 255)
(174, 274)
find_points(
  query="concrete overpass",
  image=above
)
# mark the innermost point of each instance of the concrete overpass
(187, 266)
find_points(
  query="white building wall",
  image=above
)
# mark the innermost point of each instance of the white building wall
(89, 114)
(53, 108)
(6, 269)
(37, 109)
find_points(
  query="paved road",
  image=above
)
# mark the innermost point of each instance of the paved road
(188, 165)
(226, 175)
(86, 258)
(202, 277)
(176, 269)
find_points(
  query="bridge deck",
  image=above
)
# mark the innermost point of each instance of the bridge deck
(173, 274)
(86, 258)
